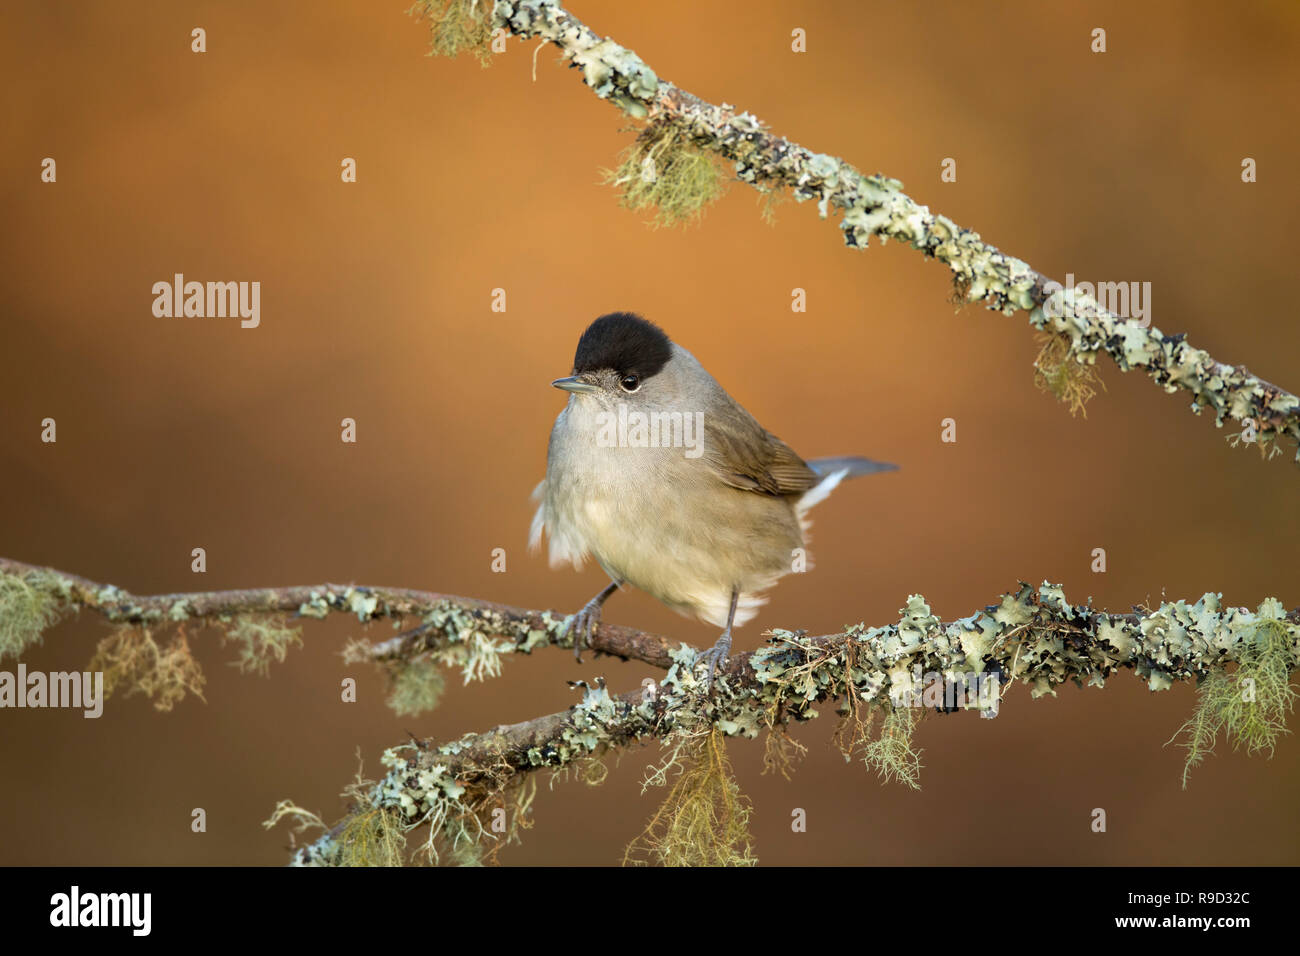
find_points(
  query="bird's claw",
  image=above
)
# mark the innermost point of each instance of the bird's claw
(715, 655)
(582, 625)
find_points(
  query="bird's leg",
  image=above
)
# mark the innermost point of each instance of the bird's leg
(720, 650)
(583, 624)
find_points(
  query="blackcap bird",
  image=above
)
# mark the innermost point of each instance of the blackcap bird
(660, 475)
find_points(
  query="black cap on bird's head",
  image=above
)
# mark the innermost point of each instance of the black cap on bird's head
(623, 342)
(627, 344)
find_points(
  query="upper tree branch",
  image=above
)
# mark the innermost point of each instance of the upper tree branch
(876, 206)
(449, 619)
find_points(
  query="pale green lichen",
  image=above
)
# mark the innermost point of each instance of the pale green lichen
(316, 607)
(1250, 705)
(414, 794)
(769, 198)
(29, 604)
(704, 820)
(362, 604)
(1266, 443)
(891, 755)
(260, 640)
(662, 173)
(367, 604)
(1229, 391)
(461, 820)
(467, 640)
(458, 26)
(612, 71)
(472, 639)
(373, 837)
(415, 687)
(303, 820)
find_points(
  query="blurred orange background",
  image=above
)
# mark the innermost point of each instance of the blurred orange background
(183, 433)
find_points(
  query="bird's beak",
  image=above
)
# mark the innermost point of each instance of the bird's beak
(575, 384)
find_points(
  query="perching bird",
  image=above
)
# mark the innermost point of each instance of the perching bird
(657, 473)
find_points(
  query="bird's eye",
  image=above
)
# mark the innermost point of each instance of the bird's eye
(630, 383)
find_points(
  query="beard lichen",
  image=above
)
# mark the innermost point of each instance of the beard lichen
(414, 686)
(29, 604)
(781, 752)
(456, 26)
(891, 755)
(373, 837)
(1056, 370)
(1249, 705)
(704, 820)
(129, 657)
(260, 641)
(467, 823)
(303, 820)
(798, 671)
(769, 198)
(451, 637)
(1267, 443)
(590, 770)
(663, 172)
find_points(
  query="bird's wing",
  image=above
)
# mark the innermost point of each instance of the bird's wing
(745, 455)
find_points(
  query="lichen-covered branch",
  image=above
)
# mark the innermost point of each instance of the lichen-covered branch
(456, 616)
(1033, 636)
(263, 623)
(871, 206)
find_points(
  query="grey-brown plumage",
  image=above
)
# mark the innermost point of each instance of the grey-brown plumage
(706, 518)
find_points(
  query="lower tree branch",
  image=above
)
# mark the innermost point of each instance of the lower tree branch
(449, 619)
(1032, 635)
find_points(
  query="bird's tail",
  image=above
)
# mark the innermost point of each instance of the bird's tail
(850, 465)
(832, 471)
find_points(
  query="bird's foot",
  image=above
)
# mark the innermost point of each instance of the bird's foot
(715, 655)
(582, 625)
